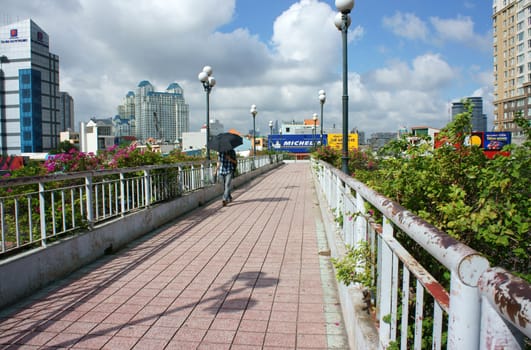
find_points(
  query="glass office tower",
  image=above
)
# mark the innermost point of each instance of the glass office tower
(29, 90)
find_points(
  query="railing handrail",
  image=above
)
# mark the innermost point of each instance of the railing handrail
(451, 255)
(60, 176)
(88, 201)
(483, 300)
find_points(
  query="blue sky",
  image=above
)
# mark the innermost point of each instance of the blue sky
(407, 59)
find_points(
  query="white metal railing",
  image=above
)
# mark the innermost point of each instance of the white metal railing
(36, 210)
(480, 307)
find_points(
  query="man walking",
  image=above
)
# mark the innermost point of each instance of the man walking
(225, 168)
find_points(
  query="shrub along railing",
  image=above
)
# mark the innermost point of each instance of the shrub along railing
(37, 210)
(478, 307)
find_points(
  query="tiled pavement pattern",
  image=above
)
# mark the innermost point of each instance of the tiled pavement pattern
(246, 276)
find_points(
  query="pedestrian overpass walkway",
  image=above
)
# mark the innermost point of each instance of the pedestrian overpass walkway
(245, 276)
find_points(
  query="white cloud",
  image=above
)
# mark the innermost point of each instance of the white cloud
(406, 25)
(460, 30)
(107, 47)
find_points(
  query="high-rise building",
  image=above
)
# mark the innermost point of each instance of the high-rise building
(162, 116)
(479, 120)
(66, 112)
(512, 63)
(30, 100)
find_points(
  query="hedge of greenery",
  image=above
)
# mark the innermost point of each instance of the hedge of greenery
(484, 203)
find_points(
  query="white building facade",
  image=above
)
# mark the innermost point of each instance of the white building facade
(148, 114)
(29, 90)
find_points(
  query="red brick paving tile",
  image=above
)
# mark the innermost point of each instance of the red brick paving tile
(233, 314)
(105, 329)
(170, 321)
(62, 340)
(278, 306)
(53, 325)
(145, 319)
(286, 298)
(213, 346)
(119, 318)
(162, 301)
(311, 317)
(279, 339)
(225, 324)
(219, 336)
(253, 326)
(80, 327)
(286, 316)
(245, 347)
(92, 342)
(7, 337)
(31, 338)
(190, 334)
(196, 322)
(69, 315)
(282, 327)
(256, 315)
(314, 307)
(249, 338)
(311, 328)
(164, 333)
(260, 304)
(182, 345)
(312, 341)
(150, 344)
(129, 308)
(93, 316)
(120, 343)
(132, 331)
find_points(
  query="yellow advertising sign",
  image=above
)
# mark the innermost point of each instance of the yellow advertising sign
(336, 141)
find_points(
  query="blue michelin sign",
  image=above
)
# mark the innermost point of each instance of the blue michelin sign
(295, 143)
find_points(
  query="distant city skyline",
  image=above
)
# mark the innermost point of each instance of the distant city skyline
(408, 61)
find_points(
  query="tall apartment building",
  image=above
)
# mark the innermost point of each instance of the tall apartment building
(155, 115)
(479, 120)
(29, 90)
(512, 62)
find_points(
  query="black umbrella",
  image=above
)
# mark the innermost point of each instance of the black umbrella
(225, 142)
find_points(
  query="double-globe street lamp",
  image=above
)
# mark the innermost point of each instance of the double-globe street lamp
(322, 99)
(254, 112)
(314, 117)
(342, 22)
(208, 81)
(270, 133)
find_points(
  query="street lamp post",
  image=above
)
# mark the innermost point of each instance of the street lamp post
(254, 111)
(314, 117)
(270, 133)
(208, 81)
(322, 99)
(342, 22)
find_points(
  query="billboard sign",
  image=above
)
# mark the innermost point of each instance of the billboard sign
(302, 143)
(335, 141)
(495, 141)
